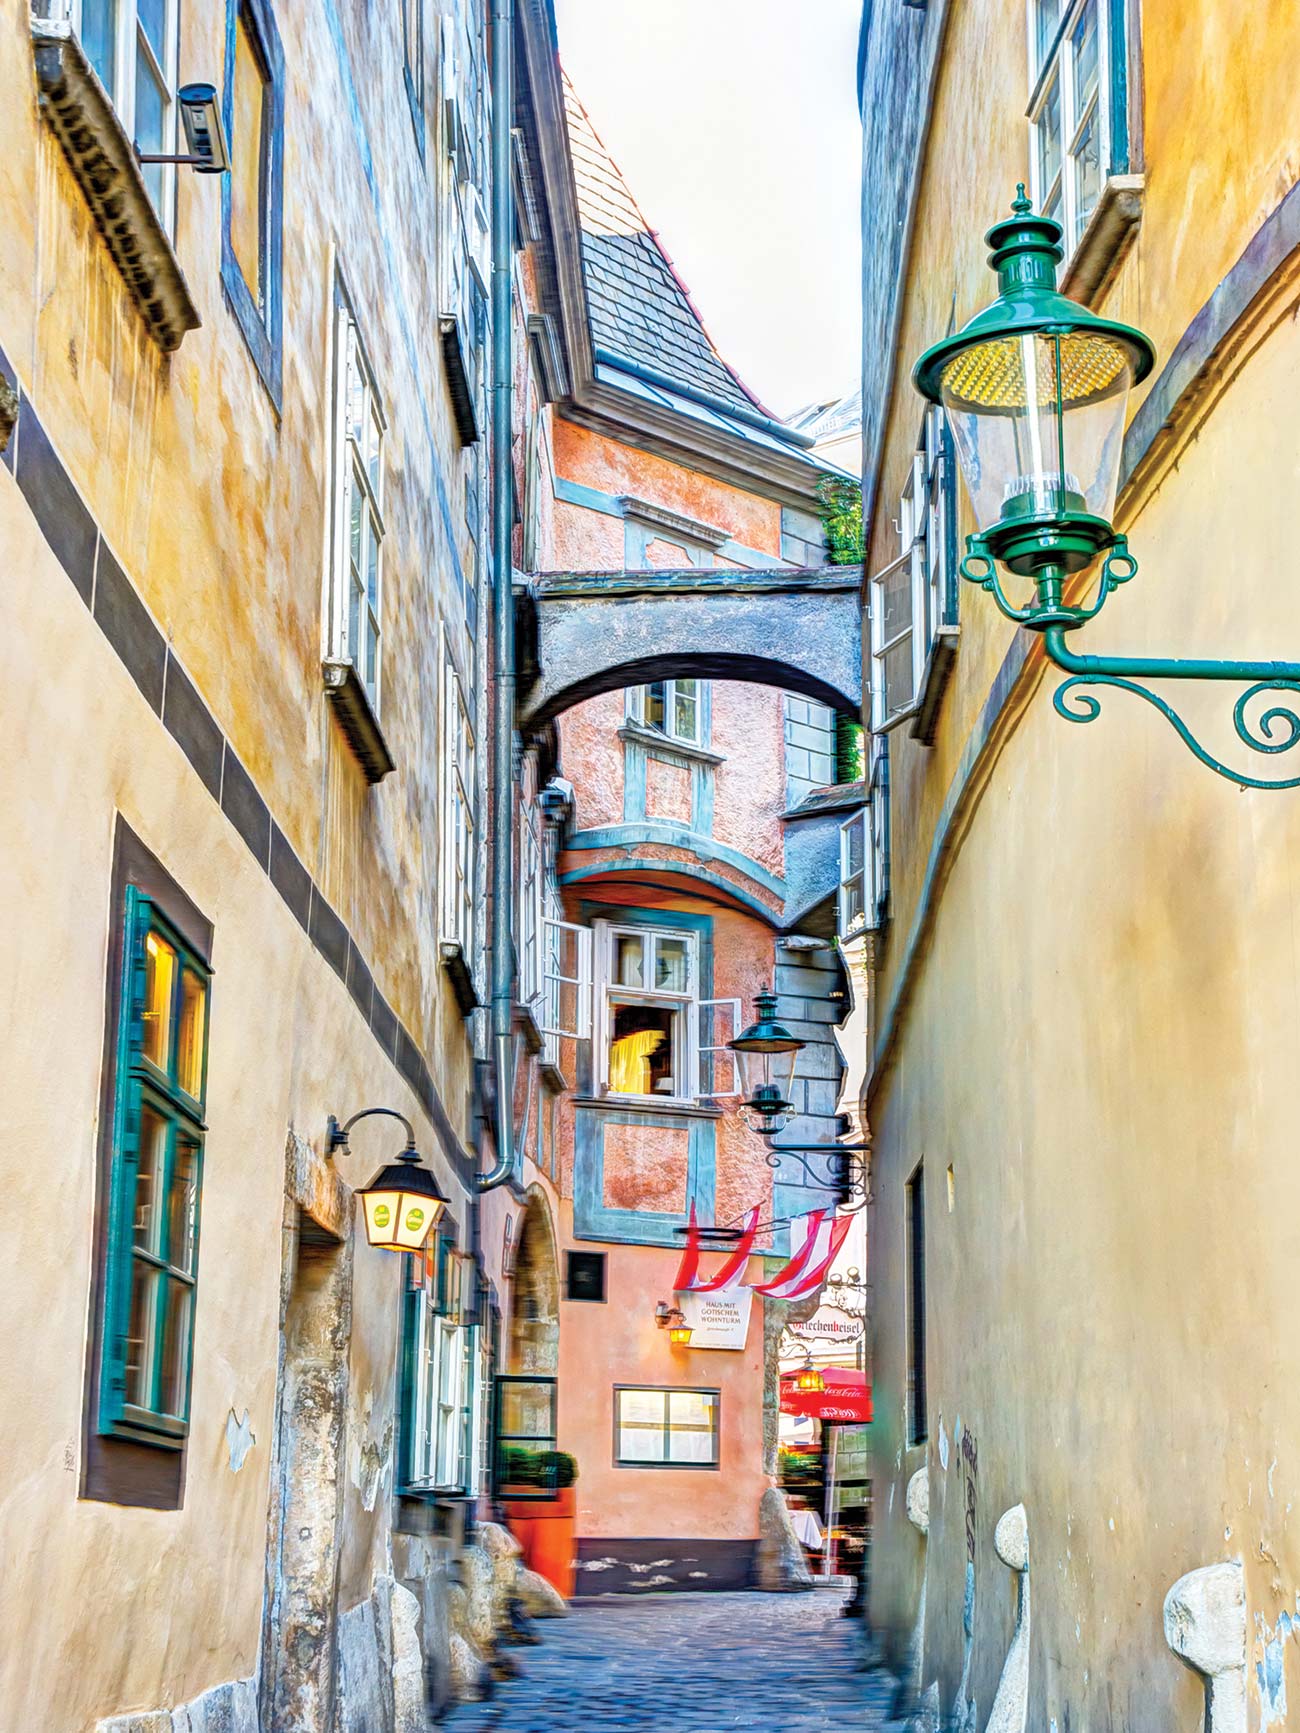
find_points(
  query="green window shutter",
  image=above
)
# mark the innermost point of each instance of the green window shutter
(948, 482)
(407, 1419)
(125, 1162)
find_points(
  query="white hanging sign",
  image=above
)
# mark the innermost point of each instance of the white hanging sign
(719, 1320)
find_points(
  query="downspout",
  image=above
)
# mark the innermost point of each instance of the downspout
(503, 601)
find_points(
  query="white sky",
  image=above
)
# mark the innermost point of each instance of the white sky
(735, 124)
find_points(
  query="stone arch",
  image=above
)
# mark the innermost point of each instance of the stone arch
(534, 1339)
(800, 631)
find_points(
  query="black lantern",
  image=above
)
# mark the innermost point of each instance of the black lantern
(402, 1202)
(765, 1054)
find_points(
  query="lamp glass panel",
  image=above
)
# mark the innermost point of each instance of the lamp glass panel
(416, 1215)
(381, 1216)
(1034, 437)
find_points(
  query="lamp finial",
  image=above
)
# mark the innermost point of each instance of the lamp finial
(1021, 205)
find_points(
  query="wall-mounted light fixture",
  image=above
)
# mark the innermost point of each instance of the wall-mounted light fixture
(809, 1378)
(402, 1202)
(209, 154)
(1035, 389)
(765, 1055)
(673, 1319)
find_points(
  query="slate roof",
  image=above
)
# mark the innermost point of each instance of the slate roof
(640, 308)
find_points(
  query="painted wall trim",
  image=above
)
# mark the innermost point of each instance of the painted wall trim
(678, 836)
(1179, 390)
(611, 505)
(131, 632)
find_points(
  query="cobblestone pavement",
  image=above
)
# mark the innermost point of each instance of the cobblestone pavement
(681, 1663)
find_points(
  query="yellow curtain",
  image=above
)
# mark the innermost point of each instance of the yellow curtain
(629, 1062)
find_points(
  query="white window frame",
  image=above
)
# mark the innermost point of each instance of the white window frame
(128, 36)
(863, 876)
(1053, 66)
(926, 499)
(636, 708)
(530, 904)
(443, 1397)
(688, 1066)
(554, 980)
(458, 809)
(358, 479)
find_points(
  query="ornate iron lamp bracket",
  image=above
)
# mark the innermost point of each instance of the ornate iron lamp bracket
(852, 1175)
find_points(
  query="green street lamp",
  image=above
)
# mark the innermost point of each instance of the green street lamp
(765, 1054)
(1035, 390)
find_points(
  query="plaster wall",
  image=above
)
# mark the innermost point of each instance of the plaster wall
(1107, 1064)
(602, 463)
(287, 1047)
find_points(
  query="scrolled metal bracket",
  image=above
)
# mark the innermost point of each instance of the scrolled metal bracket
(1274, 730)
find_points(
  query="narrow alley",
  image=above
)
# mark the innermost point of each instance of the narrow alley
(691, 1664)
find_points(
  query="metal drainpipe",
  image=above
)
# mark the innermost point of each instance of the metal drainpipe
(503, 602)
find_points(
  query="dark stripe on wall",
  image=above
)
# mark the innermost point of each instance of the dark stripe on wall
(647, 1567)
(121, 614)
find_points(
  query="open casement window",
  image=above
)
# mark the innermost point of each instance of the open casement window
(157, 1171)
(567, 984)
(132, 45)
(439, 1358)
(530, 907)
(720, 1023)
(648, 1038)
(672, 708)
(913, 601)
(458, 809)
(357, 572)
(1070, 59)
(524, 1458)
(857, 899)
(878, 818)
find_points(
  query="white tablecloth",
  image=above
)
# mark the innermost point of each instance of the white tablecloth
(807, 1529)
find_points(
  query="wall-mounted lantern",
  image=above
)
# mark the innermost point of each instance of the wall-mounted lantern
(402, 1202)
(765, 1055)
(1035, 389)
(673, 1319)
(808, 1378)
(679, 1334)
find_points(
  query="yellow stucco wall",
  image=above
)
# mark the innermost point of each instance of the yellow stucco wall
(1099, 1028)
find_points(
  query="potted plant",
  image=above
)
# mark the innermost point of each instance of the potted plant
(541, 1514)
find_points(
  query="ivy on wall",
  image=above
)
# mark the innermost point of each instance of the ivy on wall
(841, 514)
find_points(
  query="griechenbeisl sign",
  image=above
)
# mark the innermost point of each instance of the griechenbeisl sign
(828, 1324)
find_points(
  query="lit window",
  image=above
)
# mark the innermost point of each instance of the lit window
(913, 600)
(458, 810)
(665, 1428)
(357, 572)
(157, 1163)
(671, 707)
(658, 1040)
(1068, 109)
(132, 46)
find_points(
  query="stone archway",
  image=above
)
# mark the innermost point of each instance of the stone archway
(534, 1340)
(584, 633)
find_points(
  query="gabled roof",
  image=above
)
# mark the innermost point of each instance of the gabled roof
(641, 311)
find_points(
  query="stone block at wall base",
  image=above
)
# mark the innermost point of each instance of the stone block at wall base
(230, 1708)
(632, 1567)
(781, 1565)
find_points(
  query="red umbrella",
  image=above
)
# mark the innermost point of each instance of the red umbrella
(846, 1397)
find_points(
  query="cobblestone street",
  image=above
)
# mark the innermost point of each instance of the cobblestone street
(679, 1663)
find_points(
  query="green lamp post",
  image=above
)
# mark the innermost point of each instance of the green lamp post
(1035, 390)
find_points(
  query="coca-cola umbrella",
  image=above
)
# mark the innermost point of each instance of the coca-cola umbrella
(846, 1397)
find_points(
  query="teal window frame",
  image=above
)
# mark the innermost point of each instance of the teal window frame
(140, 1084)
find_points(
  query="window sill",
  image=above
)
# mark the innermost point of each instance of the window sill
(100, 155)
(645, 1104)
(526, 1024)
(638, 734)
(357, 719)
(457, 970)
(934, 682)
(1102, 246)
(553, 1078)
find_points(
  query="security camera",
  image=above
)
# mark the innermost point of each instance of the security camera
(204, 133)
